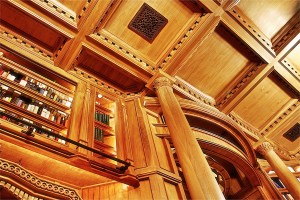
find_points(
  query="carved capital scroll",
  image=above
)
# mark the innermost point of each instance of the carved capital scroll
(160, 82)
(264, 148)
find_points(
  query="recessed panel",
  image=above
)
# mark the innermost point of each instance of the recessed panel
(269, 15)
(179, 18)
(294, 57)
(108, 72)
(219, 60)
(29, 28)
(266, 100)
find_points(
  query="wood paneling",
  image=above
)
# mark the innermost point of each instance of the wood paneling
(264, 13)
(29, 27)
(266, 99)
(219, 60)
(161, 151)
(135, 138)
(108, 71)
(117, 25)
(294, 58)
(172, 191)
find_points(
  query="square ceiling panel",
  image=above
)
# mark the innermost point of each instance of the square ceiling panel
(30, 27)
(264, 102)
(117, 27)
(294, 58)
(104, 69)
(263, 13)
(220, 60)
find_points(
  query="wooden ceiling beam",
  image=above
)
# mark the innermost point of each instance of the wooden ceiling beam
(73, 47)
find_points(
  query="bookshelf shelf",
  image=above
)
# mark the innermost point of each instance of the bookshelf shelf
(104, 110)
(30, 115)
(31, 93)
(104, 124)
(36, 96)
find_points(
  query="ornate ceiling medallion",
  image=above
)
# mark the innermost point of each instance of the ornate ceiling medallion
(147, 23)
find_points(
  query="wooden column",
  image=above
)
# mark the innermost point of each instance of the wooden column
(285, 175)
(197, 173)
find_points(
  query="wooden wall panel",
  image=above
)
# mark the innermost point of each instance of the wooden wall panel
(161, 152)
(135, 138)
(145, 189)
(172, 191)
(118, 191)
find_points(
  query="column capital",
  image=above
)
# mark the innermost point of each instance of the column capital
(264, 148)
(161, 81)
(156, 82)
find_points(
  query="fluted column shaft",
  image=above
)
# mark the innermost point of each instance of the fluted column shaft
(197, 173)
(285, 175)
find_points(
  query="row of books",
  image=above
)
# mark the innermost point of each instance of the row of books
(39, 131)
(287, 196)
(36, 86)
(103, 118)
(98, 134)
(15, 97)
(277, 182)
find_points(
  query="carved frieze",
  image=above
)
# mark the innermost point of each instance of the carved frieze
(25, 44)
(21, 173)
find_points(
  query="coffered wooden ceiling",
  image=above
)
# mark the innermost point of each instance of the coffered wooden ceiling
(243, 54)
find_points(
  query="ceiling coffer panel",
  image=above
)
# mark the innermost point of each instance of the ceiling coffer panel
(108, 71)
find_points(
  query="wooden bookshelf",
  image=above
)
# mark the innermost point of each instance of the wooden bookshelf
(22, 87)
(104, 124)
(31, 93)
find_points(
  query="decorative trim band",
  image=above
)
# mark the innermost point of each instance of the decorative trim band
(243, 125)
(105, 15)
(286, 33)
(25, 44)
(84, 9)
(82, 74)
(240, 85)
(17, 192)
(193, 92)
(180, 43)
(56, 7)
(107, 41)
(37, 182)
(280, 118)
(295, 155)
(281, 153)
(252, 29)
(291, 68)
